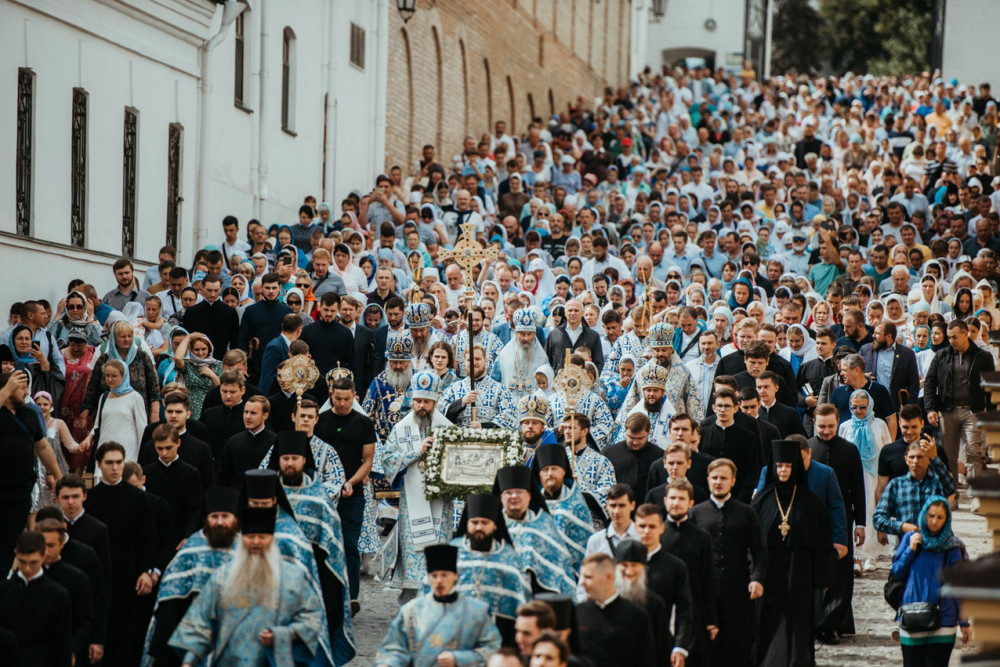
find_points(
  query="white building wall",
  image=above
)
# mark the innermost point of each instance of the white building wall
(149, 55)
(970, 30)
(683, 27)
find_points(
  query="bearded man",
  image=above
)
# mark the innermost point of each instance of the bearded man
(388, 397)
(488, 566)
(520, 358)
(491, 400)
(679, 388)
(533, 418)
(190, 568)
(418, 319)
(480, 336)
(655, 405)
(420, 520)
(319, 521)
(541, 551)
(630, 582)
(256, 608)
(564, 500)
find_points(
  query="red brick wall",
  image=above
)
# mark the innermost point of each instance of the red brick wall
(583, 44)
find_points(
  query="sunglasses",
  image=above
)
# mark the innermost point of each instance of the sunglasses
(293, 302)
(74, 307)
(302, 285)
(857, 408)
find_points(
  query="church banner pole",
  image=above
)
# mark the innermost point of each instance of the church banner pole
(472, 370)
(571, 406)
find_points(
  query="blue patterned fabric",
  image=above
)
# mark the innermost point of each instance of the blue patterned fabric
(495, 577)
(424, 628)
(493, 405)
(320, 523)
(573, 520)
(602, 422)
(542, 551)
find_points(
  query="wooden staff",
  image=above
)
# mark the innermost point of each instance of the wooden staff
(571, 406)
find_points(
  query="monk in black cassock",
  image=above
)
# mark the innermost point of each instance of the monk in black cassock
(795, 528)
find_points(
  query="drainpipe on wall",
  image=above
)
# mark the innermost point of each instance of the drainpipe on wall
(262, 118)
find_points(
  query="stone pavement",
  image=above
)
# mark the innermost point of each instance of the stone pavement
(871, 646)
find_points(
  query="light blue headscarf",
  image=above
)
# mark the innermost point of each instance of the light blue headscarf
(126, 385)
(862, 434)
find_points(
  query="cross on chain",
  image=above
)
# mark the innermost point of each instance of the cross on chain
(468, 252)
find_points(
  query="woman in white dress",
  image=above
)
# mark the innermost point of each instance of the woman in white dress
(58, 435)
(121, 413)
(869, 434)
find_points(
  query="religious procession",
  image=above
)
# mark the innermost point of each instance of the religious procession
(659, 381)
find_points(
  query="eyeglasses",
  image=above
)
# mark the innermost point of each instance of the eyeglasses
(294, 302)
(302, 285)
(858, 408)
(74, 307)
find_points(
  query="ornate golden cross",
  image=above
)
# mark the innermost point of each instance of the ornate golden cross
(467, 253)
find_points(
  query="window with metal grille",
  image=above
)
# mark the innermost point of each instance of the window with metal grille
(78, 169)
(130, 150)
(25, 135)
(174, 199)
(357, 46)
(240, 50)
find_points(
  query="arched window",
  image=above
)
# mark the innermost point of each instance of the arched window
(241, 85)
(288, 80)
(465, 88)
(513, 107)
(439, 82)
(531, 107)
(409, 98)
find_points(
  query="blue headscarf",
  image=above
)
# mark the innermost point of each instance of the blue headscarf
(729, 318)
(21, 362)
(862, 434)
(944, 539)
(733, 303)
(126, 385)
(917, 348)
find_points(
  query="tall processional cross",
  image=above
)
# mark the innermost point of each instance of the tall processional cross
(467, 253)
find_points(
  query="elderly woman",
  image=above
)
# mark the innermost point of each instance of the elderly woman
(126, 348)
(869, 434)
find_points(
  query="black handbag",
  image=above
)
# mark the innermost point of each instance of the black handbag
(893, 591)
(919, 617)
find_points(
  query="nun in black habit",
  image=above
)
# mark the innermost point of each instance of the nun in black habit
(796, 531)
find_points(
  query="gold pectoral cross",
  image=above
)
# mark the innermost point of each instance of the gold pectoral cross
(436, 641)
(784, 528)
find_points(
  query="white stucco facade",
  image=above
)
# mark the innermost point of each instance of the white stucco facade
(173, 62)
(682, 32)
(970, 29)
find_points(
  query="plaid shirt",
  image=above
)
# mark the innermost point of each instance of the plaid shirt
(905, 497)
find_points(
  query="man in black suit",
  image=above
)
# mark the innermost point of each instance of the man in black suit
(176, 481)
(693, 545)
(785, 418)
(193, 450)
(756, 359)
(677, 462)
(894, 366)
(573, 333)
(750, 412)
(235, 361)
(394, 322)
(283, 404)
(245, 451)
(633, 456)
(75, 581)
(84, 558)
(71, 494)
(363, 361)
(214, 318)
(812, 373)
(329, 341)
(724, 439)
(836, 615)
(684, 429)
(740, 563)
(226, 419)
(735, 363)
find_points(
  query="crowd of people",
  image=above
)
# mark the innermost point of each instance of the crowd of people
(779, 294)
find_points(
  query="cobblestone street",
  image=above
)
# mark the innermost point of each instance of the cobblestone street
(873, 645)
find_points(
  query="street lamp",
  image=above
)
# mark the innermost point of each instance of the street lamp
(659, 9)
(406, 9)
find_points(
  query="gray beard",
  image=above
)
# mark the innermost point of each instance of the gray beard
(632, 591)
(420, 348)
(252, 579)
(399, 381)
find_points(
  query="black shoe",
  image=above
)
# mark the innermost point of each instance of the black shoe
(355, 607)
(828, 637)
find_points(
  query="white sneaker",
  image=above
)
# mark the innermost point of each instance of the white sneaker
(870, 566)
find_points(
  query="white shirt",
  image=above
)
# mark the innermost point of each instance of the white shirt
(574, 334)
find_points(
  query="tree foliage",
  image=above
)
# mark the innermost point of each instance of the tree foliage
(796, 37)
(877, 36)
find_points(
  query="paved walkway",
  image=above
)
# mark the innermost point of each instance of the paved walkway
(872, 646)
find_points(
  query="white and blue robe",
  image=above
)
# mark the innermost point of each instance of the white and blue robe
(542, 551)
(680, 388)
(659, 430)
(424, 628)
(180, 584)
(227, 635)
(629, 345)
(494, 403)
(602, 422)
(295, 546)
(320, 523)
(516, 373)
(489, 341)
(493, 576)
(329, 469)
(595, 474)
(574, 523)
(420, 520)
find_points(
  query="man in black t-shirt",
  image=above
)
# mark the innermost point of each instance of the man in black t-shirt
(22, 438)
(892, 457)
(352, 434)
